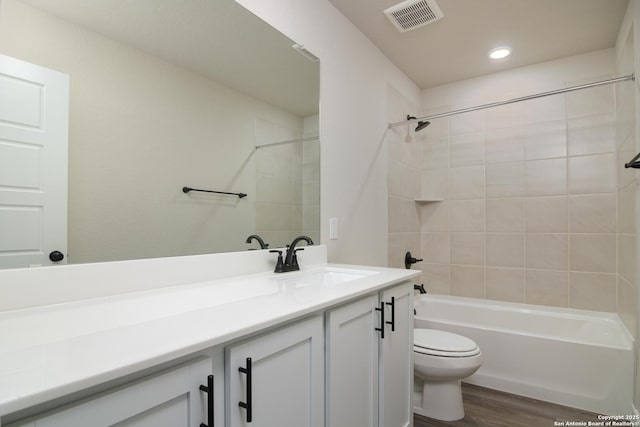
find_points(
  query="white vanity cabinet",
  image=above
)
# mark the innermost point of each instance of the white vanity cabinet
(277, 379)
(299, 350)
(172, 398)
(369, 363)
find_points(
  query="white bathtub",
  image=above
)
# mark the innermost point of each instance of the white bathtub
(577, 358)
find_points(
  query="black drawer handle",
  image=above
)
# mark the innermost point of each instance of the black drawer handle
(393, 314)
(247, 405)
(381, 328)
(209, 390)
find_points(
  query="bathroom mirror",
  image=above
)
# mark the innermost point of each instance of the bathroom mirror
(166, 94)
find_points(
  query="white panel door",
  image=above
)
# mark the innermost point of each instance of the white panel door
(396, 357)
(352, 364)
(34, 117)
(282, 378)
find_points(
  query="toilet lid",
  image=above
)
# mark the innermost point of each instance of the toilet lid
(441, 343)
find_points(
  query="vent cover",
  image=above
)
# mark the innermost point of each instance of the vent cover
(411, 14)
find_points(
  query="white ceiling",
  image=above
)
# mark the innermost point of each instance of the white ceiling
(455, 47)
(218, 39)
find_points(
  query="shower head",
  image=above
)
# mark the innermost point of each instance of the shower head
(421, 125)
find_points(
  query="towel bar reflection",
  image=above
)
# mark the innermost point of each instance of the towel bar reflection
(634, 163)
(188, 189)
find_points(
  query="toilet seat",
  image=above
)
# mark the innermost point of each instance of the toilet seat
(443, 344)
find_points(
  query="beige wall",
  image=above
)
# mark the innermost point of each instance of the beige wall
(529, 189)
(140, 130)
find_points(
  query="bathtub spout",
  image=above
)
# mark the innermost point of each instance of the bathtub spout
(419, 288)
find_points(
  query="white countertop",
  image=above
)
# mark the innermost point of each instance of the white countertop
(53, 350)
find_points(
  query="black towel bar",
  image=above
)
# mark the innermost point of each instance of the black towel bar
(187, 189)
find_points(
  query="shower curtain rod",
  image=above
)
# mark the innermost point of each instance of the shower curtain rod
(289, 141)
(511, 101)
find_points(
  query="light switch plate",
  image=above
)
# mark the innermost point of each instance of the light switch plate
(333, 229)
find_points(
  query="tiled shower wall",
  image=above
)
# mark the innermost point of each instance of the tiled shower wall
(287, 182)
(530, 209)
(627, 186)
(405, 164)
(528, 191)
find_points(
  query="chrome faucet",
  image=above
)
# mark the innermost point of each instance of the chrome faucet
(263, 245)
(290, 262)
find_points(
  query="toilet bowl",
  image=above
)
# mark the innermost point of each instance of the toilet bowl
(441, 359)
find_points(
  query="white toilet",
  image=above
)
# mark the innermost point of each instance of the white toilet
(441, 359)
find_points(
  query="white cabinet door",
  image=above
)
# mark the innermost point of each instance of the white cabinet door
(34, 111)
(277, 379)
(396, 357)
(352, 364)
(170, 399)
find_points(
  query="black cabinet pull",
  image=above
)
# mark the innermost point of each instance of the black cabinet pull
(209, 390)
(381, 328)
(393, 314)
(247, 405)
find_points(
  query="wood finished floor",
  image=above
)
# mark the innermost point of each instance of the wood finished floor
(486, 407)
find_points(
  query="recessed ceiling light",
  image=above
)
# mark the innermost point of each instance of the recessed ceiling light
(500, 52)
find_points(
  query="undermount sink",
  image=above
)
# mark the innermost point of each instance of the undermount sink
(324, 277)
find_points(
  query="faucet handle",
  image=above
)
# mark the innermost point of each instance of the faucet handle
(279, 264)
(294, 258)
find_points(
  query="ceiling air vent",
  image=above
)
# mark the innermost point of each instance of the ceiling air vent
(412, 14)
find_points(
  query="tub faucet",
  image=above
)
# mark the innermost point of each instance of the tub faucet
(290, 262)
(263, 245)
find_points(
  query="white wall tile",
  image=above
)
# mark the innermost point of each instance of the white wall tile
(547, 251)
(504, 116)
(436, 248)
(434, 216)
(467, 281)
(505, 215)
(547, 288)
(505, 250)
(592, 174)
(591, 135)
(627, 258)
(592, 291)
(467, 182)
(435, 183)
(545, 140)
(627, 209)
(593, 252)
(466, 149)
(592, 213)
(467, 215)
(593, 101)
(504, 145)
(546, 177)
(467, 122)
(468, 248)
(435, 155)
(505, 179)
(546, 109)
(436, 278)
(547, 214)
(505, 284)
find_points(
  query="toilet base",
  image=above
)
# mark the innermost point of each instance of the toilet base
(441, 400)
